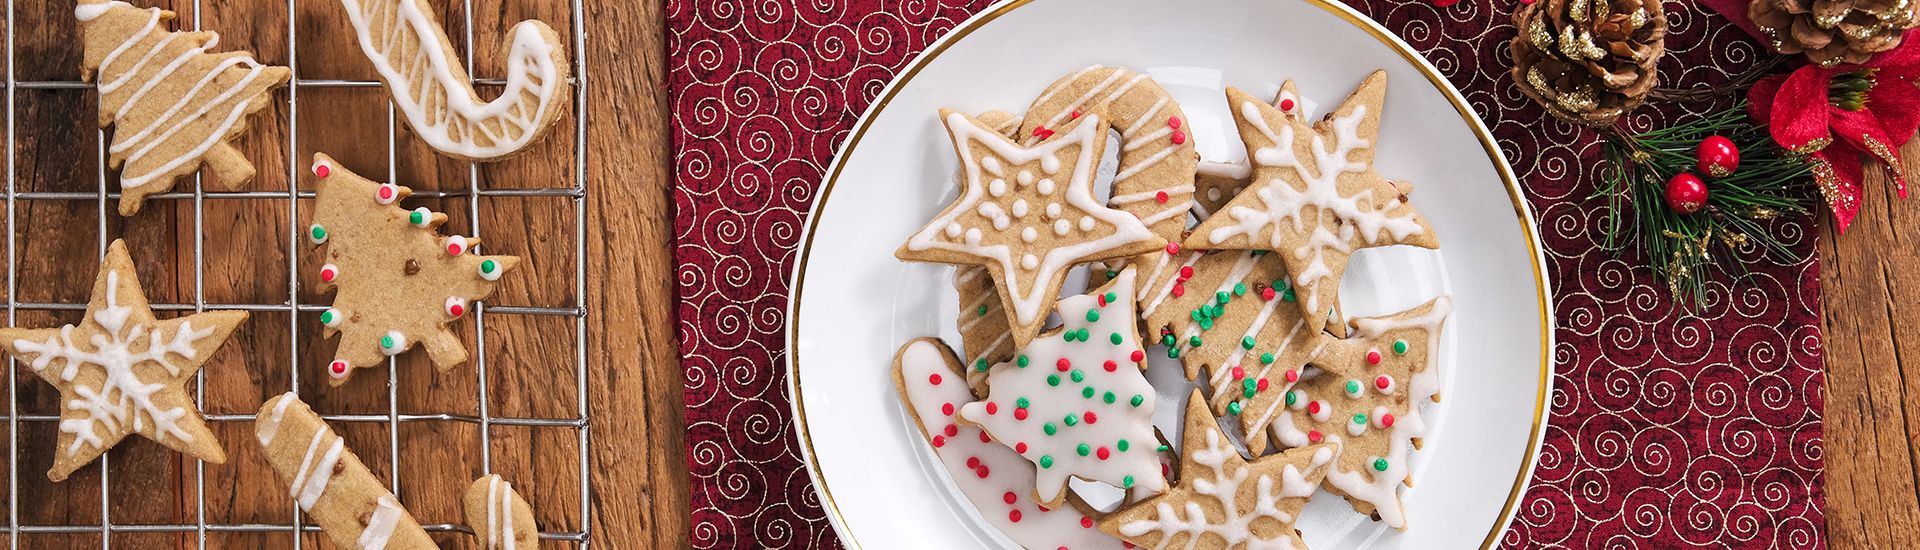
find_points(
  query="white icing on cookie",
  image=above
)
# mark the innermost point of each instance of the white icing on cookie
(499, 515)
(1220, 474)
(987, 473)
(313, 476)
(386, 515)
(1075, 402)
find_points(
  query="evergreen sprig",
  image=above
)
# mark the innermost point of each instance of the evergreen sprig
(1740, 209)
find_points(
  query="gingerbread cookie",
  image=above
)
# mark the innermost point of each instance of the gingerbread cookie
(173, 105)
(121, 371)
(329, 482)
(1075, 402)
(984, 335)
(1216, 183)
(399, 281)
(1316, 198)
(1224, 501)
(1028, 215)
(989, 474)
(499, 516)
(1367, 403)
(431, 89)
(1155, 179)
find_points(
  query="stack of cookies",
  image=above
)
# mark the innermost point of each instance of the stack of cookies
(1233, 270)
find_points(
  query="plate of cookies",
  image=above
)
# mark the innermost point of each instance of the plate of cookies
(1212, 274)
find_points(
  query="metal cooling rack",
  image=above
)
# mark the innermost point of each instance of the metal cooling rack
(292, 195)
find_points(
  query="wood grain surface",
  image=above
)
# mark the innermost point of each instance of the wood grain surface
(635, 472)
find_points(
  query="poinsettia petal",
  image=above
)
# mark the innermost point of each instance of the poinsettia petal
(1900, 62)
(1800, 115)
(1861, 130)
(1897, 104)
(1839, 182)
(1760, 97)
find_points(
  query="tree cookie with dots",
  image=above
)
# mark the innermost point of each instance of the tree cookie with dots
(994, 478)
(398, 282)
(1075, 402)
(1154, 181)
(1366, 401)
(329, 483)
(1223, 500)
(122, 372)
(499, 517)
(1315, 198)
(431, 90)
(173, 105)
(1027, 214)
(984, 336)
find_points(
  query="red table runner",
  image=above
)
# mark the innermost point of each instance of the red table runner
(1668, 430)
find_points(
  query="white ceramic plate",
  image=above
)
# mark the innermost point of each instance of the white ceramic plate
(854, 304)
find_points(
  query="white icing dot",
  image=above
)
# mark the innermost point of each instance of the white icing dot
(990, 210)
(973, 237)
(1028, 234)
(1086, 223)
(1061, 227)
(1019, 208)
(1356, 428)
(997, 187)
(991, 165)
(1053, 210)
(1029, 262)
(1026, 177)
(953, 230)
(1050, 164)
(1000, 222)
(1213, 194)
(1045, 187)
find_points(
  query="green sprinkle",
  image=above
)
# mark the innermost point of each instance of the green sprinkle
(1360, 418)
(1068, 336)
(1233, 408)
(1220, 297)
(1194, 341)
(1162, 449)
(1053, 379)
(1021, 402)
(1078, 376)
(1173, 353)
(1292, 397)
(1112, 296)
(318, 233)
(1108, 397)
(1288, 296)
(1112, 274)
(1246, 342)
(488, 266)
(1122, 445)
(983, 310)
(1126, 482)
(1239, 289)
(1353, 386)
(1093, 315)
(1137, 400)
(1084, 334)
(1248, 387)
(1083, 450)
(1087, 392)
(1206, 324)
(1071, 420)
(417, 217)
(1380, 464)
(1198, 314)
(1399, 347)
(1046, 461)
(1021, 360)
(1259, 253)
(1280, 283)
(1266, 358)
(1219, 310)
(1049, 429)
(386, 341)
(326, 317)
(1166, 339)
(1116, 338)
(980, 365)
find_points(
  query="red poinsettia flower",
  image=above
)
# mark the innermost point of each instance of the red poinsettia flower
(1843, 117)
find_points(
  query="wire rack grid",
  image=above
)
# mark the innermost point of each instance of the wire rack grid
(292, 307)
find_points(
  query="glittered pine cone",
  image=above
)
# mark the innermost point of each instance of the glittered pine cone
(1831, 32)
(1588, 61)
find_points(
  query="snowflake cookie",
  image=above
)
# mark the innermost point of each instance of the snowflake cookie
(1223, 500)
(399, 282)
(1315, 197)
(121, 371)
(1366, 401)
(1075, 401)
(1028, 214)
(992, 477)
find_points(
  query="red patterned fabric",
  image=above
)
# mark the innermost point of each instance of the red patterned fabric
(1668, 430)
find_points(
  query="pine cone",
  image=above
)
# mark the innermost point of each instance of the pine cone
(1832, 32)
(1588, 61)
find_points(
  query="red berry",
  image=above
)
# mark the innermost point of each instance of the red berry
(1179, 290)
(1238, 373)
(1382, 382)
(1717, 156)
(1261, 385)
(1267, 294)
(1386, 420)
(1313, 408)
(1314, 436)
(1686, 193)
(1173, 122)
(1085, 523)
(982, 471)
(1076, 114)
(1293, 376)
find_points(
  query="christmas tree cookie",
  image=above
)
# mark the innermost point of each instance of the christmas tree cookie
(122, 372)
(1315, 198)
(1075, 402)
(1154, 181)
(1223, 501)
(1028, 214)
(329, 483)
(994, 479)
(173, 105)
(1367, 403)
(398, 280)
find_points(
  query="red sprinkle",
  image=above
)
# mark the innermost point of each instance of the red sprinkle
(947, 409)
(1373, 357)
(1238, 373)
(953, 430)
(1179, 289)
(1382, 382)
(1076, 114)
(939, 441)
(992, 407)
(1063, 364)
(322, 170)
(1261, 385)
(973, 462)
(934, 378)
(1267, 294)
(1186, 272)
(1020, 414)
(1020, 447)
(1286, 105)
(1179, 137)
(1102, 453)
(1314, 436)
(1173, 248)
(1102, 299)
(982, 471)
(339, 367)
(1139, 355)
(1386, 420)
(984, 438)
(1014, 516)
(1293, 376)
(1110, 366)
(1160, 197)
(1085, 522)
(1089, 417)
(1010, 498)
(1173, 122)
(1313, 408)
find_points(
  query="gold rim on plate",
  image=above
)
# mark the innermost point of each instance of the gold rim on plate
(1345, 13)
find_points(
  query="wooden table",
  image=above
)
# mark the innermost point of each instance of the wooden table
(637, 469)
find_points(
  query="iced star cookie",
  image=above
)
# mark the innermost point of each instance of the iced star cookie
(172, 104)
(984, 336)
(329, 483)
(1315, 197)
(1224, 501)
(122, 372)
(1230, 317)
(1155, 179)
(499, 517)
(397, 281)
(1216, 183)
(1028, 214)
(431, 89)
(1075, 403)
(1367, 403)
(992, 477)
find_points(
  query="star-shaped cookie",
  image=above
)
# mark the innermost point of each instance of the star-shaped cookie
(1315, 197)
(121, 371)
(1224, 501)
(1028, 214)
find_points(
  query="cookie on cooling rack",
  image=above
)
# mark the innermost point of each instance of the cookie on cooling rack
(499, 517)
(329, 482)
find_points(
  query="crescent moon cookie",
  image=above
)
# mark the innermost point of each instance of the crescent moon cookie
(984, 336)
(1315, 197)
(1224, 501)
(1366, 401)
(990, 475)
(1028, 214)
(172, 104)
(399, 282)
(329, 482)
(498, 516)
(1155, 179)
(434, 94)
(122, 372)
(1066, 404)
